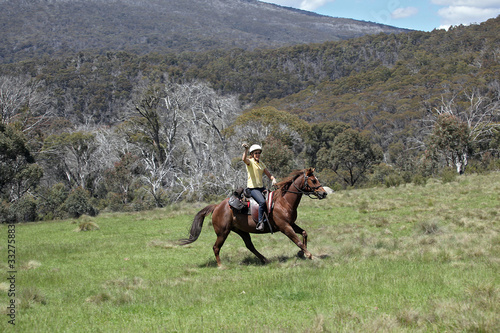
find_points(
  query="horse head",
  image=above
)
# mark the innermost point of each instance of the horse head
(312, 186)
(303, 182)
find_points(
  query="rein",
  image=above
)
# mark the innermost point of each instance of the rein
(311, 193)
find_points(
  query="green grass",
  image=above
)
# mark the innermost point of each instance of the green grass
(405, 259)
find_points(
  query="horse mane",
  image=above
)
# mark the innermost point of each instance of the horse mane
(284, 185)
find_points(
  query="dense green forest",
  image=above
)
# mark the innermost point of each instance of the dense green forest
(90, 131)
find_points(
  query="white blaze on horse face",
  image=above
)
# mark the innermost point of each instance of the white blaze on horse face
(317, 188)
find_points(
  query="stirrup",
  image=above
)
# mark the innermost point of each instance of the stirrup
(260, 226)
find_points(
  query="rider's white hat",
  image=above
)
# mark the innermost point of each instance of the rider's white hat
(254, 148)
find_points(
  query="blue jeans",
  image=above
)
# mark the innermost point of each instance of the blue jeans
(259, 197)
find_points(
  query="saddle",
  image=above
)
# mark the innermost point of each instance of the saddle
(241, 202)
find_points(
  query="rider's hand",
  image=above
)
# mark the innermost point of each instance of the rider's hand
(245, 145)
(273, 181)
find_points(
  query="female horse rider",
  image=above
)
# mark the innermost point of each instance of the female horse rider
(255, 169)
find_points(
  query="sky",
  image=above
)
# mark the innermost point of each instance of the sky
(424, 15)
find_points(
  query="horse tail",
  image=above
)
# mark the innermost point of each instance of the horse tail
(197, 224)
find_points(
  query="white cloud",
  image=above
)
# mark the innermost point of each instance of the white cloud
(404, 12)
(470, 3)
(466, 12)
(311, 5)
(456, 13)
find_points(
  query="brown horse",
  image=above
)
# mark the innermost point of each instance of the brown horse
(282, 217)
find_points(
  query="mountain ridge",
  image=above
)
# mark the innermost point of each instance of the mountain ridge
(35, 28)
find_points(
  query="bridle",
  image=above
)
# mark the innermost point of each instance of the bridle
(308, 190)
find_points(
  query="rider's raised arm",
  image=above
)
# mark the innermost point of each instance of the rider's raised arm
(244, 158)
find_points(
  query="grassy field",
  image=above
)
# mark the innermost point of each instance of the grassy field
(405, 259)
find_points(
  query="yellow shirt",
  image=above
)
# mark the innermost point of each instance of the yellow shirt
(255, 170)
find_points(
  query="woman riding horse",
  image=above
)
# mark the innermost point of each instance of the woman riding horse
(282, 217)
(255, 170)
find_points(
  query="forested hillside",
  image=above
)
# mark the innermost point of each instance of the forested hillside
(406, 78)
(116, 130)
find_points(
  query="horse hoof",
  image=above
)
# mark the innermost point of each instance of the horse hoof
(300, 254)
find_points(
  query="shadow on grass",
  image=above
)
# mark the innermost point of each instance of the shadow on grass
(254, 261)
(247, 261)
(300, 255)
(209, 264)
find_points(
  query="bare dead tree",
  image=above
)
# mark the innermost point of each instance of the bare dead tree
(158, 178)
(23, 101)
(205, 116)
(477, 117)
(181, 128)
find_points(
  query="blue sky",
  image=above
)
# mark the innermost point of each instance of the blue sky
(424, 15)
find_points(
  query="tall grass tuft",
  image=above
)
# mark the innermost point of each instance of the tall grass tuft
(430, 227)
(88, 226)
(31, 297)
(99, 298)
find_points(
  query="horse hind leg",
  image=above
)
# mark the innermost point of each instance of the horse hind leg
(221, 238)
(221, 221)
(249, 244)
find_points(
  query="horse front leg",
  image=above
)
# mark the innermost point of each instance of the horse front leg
(299, 230)
(290, 232)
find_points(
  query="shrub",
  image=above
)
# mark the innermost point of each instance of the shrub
(384, 174)
(407, 176)
(448, 175)
(79, 203)
(6, 213)
(24, 210)
(329, 178)
(115, 202)
(51, 201)
(393, 180)
(143, 200)
(419, 180)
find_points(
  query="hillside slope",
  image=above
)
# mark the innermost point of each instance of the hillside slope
(41, 27)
